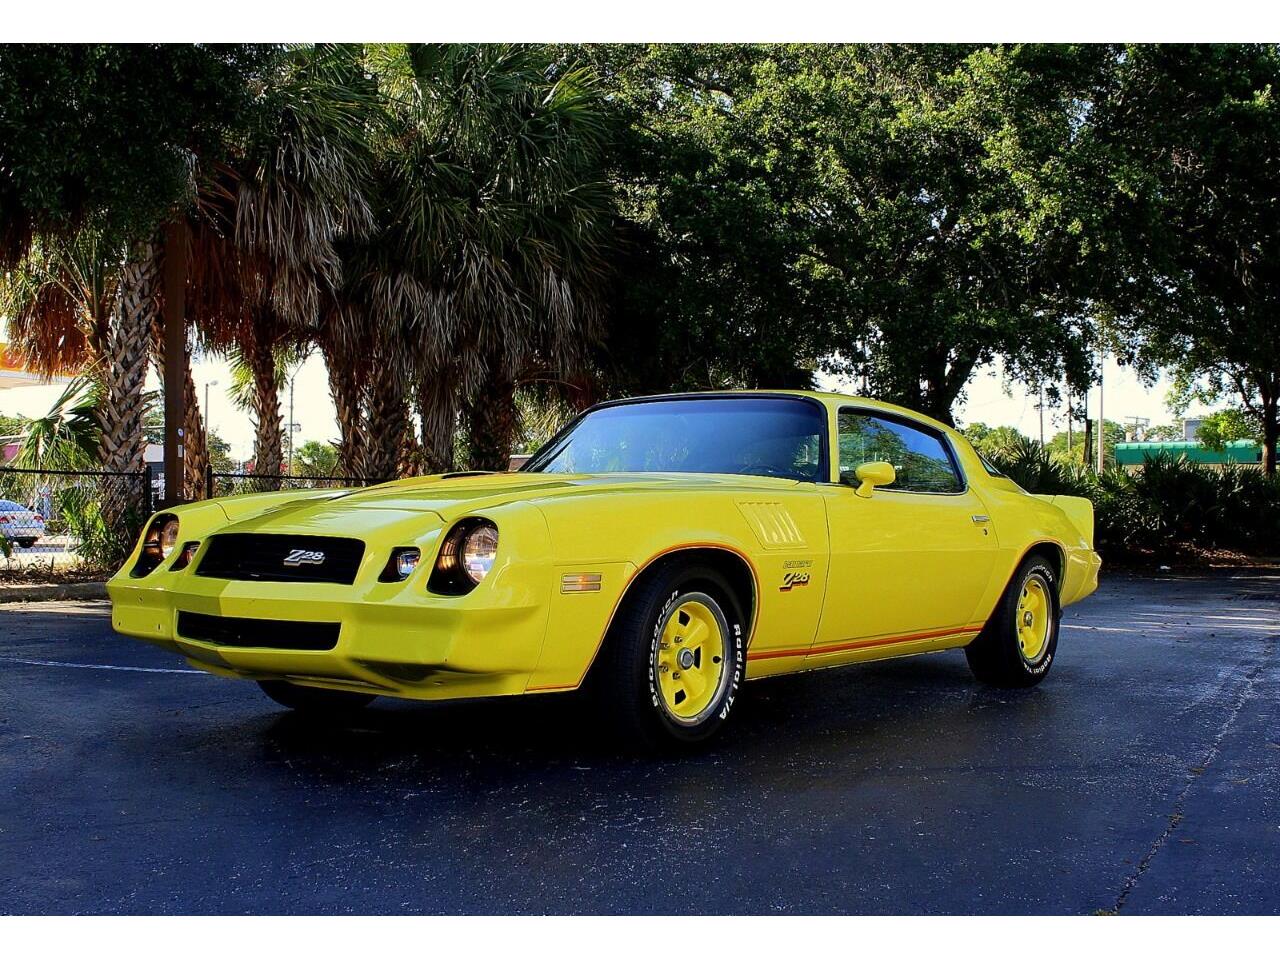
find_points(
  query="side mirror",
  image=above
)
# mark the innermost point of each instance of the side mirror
(877, 473)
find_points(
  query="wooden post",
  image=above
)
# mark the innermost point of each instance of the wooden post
(173, 317)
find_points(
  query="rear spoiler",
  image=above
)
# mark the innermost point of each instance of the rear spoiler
(1079, 511)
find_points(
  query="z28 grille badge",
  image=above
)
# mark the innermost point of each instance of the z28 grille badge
(296, 558)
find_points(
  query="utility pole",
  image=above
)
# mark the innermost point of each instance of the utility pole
(208, 414)
(173, 318)
(1087, 453)
(292, 425)
(1102, 424)
(1138, 426)
(1040, 407)
(1070, 426)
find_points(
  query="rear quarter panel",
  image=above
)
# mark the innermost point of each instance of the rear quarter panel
(1023, 521)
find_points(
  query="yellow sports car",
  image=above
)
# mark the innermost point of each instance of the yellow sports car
(659, 550)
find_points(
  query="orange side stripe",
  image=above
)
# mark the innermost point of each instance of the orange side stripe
(859, 644)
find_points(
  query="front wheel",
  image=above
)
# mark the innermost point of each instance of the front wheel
(312, 699)
(1018, 644)
(674, 657)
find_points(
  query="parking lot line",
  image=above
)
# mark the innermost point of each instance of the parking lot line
(97, 666)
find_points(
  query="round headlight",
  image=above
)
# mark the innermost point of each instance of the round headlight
(168, 537)
(479, 550)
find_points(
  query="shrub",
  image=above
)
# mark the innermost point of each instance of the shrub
(1171, 501)
(99, 544)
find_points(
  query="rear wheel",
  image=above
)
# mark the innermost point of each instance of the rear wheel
(674, 657)
(313, 699)
(1017, 646)
(27, 542)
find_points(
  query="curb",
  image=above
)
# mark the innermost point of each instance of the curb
(53, 591)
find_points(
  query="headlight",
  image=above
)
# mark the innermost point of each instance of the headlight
(479, 549)
(466, 557)
(158, 544)
(168, 537)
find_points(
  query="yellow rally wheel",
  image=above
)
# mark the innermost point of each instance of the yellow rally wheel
(1034, 619)
(689, 660)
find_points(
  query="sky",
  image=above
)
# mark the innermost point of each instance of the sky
(989, 399)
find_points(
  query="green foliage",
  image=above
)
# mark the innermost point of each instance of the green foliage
(107, 133)
(315, 459)
(1194, 282)
(12, 426)
(1170, 502)
(220, 454)
(542, 414)
(65, 438)
(288, 360)
(995, 441)
(886, 212)
(99, 544)
(1226, 426)
(1112, 434)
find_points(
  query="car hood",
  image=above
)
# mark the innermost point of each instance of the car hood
(443, 498)
(447, 493)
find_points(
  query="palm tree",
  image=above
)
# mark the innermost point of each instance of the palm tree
(64, 301)
(69, 310)
(66, 437)
(266, 266)
(492, 257)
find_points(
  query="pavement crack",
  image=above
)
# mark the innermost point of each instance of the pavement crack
(1195, 773)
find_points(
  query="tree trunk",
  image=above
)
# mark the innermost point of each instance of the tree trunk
(493, 423)
(344, 387)
(409, 457)
(388, 420)
(122, 444)
(268, 443)
(437, 398)
(1270, 436)
(195, 439)
(197, 458)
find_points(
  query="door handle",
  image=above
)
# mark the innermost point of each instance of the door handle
(980, 518)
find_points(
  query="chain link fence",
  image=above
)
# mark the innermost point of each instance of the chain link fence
(54, 520)
(57, 519)
(231, 484)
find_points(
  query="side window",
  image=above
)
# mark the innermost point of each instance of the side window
(919, 456)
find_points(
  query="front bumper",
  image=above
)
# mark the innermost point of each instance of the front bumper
(410, 645)
(392, 638)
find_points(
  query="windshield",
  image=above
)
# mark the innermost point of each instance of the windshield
(755, 436)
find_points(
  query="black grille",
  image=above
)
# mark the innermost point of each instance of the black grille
(251, 632)
(263, 556)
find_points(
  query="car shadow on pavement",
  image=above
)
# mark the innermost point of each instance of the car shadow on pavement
(869, 710)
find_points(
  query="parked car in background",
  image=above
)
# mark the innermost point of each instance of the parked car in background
(19, 524)
(659, 550)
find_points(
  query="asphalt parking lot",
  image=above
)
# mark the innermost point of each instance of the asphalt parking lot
(1142, 777)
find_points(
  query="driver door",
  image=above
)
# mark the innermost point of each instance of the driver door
(910, 562)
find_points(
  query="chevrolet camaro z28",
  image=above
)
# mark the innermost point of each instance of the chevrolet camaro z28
(660, 551)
